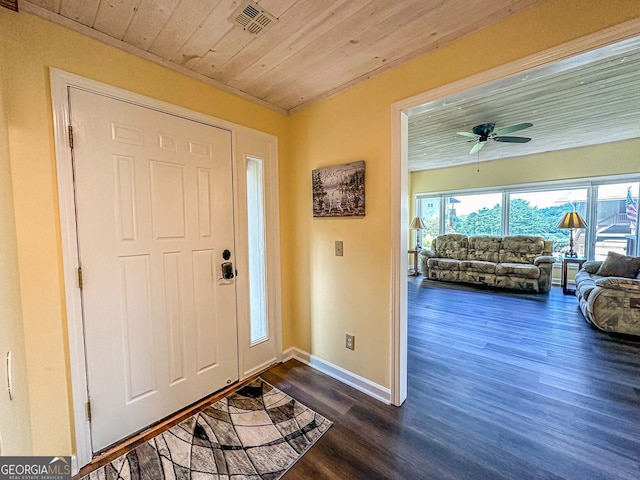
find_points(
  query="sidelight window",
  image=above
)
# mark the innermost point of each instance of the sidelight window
(257, 260)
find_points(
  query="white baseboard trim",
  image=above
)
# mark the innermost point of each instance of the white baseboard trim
(372, 389)
(259, 368)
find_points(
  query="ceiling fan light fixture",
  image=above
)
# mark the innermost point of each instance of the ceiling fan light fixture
(486, 131)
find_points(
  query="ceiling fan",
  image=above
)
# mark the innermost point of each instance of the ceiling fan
(486, 131)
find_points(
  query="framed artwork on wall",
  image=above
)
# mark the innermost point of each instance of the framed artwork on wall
(338, 191)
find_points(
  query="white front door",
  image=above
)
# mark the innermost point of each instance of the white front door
(154, 201)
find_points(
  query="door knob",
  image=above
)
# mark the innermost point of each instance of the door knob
(227, 271)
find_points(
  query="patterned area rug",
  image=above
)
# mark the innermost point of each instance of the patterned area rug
(256, 433)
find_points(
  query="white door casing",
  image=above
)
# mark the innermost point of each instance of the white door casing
(254, 357)
(61, 84)
(154, 214)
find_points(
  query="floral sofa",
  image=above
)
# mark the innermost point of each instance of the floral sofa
(609, 293)
(519, 262)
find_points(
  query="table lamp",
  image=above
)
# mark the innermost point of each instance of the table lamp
(417, 224)
(572, 220)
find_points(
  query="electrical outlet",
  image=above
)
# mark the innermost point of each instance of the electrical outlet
(350, 342)
(339, 250)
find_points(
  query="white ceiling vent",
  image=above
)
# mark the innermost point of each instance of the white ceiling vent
(251, 18)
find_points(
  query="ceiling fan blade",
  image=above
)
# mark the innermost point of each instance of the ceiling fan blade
(477, 147)
(513, 128)
(467, 134)
(512, 139)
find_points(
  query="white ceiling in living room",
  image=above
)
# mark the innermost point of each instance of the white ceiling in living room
(589, 99)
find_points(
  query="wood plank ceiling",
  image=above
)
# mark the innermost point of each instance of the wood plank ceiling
(590, 99)
(313, 50)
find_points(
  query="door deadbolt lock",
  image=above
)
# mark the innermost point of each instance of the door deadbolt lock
(227, 271)
(226, 254)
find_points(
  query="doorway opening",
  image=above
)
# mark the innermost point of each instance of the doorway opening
(402, 188)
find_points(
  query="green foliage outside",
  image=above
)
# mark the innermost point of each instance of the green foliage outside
(527, 220)
(523, 220)
(485, 221)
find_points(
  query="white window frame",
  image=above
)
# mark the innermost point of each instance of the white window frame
(590, 184)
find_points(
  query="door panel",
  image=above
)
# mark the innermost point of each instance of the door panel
(137, 318)
(154, 213)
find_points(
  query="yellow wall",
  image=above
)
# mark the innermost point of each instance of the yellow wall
(323, 296)
(615, 158)
(329, 295)
(32, 46)
(15, 429)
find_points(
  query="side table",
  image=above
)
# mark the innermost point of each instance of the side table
(565, 263)
(415, 262)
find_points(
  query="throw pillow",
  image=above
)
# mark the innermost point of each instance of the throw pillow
(617, 265)
(592, 267)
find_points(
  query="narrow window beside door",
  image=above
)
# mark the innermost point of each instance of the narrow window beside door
(257, 259)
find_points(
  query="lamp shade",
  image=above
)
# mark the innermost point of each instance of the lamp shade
(572, 220)
(417, 224)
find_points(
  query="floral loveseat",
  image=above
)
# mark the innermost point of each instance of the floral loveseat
(609, 293)
(519, 262)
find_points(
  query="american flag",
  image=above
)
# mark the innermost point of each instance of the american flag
(632, 209)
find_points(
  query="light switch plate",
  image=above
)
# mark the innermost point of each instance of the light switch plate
(339, 250)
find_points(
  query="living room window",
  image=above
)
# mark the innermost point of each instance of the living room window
(479, 214)
(538, 212)
(609, 205)
(617, 219)
(429, 209)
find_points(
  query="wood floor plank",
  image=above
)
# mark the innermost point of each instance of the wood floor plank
(501, 386)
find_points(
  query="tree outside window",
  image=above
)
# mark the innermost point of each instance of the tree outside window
(538, 213)
(474, 214)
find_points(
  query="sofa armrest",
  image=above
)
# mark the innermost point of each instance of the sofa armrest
(619, 283)
(544, 259)
(427, 253)
(592, 266)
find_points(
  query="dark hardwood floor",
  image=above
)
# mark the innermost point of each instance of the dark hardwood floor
(501, 386)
